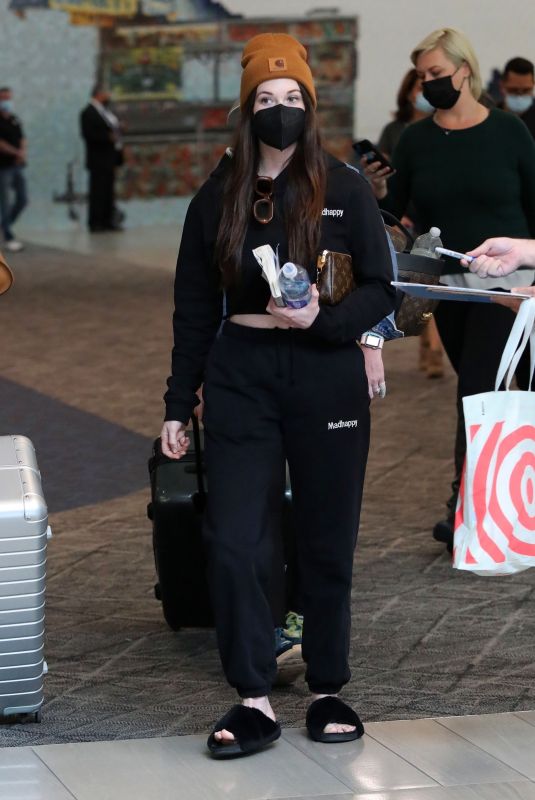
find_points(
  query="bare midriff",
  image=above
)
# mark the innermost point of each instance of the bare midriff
(258, 321)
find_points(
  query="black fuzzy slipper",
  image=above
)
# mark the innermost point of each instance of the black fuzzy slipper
(252, 731)
(332, 710)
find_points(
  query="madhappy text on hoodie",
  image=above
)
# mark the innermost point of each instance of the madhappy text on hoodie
(333, 212)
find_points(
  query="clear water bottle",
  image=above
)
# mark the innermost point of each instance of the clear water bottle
(294, 284)
(426, 243)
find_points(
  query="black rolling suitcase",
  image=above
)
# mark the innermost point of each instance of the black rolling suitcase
(178, 499)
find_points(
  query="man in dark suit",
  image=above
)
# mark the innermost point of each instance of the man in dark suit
(101, 133)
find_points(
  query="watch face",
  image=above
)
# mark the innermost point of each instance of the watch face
(371, 340)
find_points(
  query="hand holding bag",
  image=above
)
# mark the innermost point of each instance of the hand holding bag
(495, 517)
(335, 279)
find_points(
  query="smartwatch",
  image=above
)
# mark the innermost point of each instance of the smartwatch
(372, 340)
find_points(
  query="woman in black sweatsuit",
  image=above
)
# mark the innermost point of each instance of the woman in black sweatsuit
(279, 384)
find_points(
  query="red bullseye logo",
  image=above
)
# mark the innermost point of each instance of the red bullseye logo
(504, 491)
(528, 488)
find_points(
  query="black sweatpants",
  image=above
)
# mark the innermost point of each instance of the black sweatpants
(474, 336)
(272, 395)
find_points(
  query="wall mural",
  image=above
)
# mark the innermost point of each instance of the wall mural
(173, 86)
(100, 12)
(173, 69)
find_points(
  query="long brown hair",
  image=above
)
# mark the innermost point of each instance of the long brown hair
(304, 196)
(405, 107)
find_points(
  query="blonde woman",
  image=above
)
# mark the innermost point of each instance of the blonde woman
(470, 170)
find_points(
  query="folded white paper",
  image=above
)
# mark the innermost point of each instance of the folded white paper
(269, 261)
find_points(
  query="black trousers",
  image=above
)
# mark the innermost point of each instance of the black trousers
(101, 197)
(474, 335)
(271, 395)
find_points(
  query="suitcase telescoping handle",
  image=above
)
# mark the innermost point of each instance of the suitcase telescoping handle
(198, 455)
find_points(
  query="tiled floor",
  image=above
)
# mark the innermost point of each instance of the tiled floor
(456, 758)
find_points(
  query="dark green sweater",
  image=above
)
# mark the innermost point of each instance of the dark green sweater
(471, 183)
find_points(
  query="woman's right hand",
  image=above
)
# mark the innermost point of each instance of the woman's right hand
(175, 442)
(377, 176)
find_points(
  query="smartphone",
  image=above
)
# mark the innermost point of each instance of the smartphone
(364, 148)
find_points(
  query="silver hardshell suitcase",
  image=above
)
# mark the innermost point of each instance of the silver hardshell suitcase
(24, 533)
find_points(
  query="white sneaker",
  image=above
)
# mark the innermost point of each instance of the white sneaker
(13, 246)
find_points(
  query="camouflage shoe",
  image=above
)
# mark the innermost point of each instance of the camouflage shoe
(293, 629)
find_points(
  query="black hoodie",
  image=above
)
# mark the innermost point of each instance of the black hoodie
(351, 224)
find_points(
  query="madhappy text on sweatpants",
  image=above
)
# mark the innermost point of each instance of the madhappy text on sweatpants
(342, 423)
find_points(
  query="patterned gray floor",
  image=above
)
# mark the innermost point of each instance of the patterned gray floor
(84, 358)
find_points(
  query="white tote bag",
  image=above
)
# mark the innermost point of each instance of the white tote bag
(495, 516)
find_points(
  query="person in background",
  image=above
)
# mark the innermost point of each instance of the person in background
(104, 153)
(469, 170)
(411, 107)
(517, 85)
(12, 164)
(279, 384)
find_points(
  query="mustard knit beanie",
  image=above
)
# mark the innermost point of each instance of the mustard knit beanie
(274, 55)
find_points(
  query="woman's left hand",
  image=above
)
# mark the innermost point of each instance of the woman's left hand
(375, 372)
(297, 317)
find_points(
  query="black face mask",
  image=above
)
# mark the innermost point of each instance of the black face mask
(441, 92)
(279, 126)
